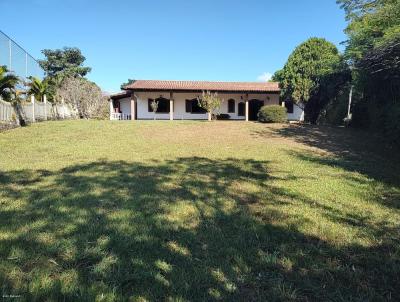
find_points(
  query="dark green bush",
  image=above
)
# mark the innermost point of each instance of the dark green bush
(272, 114)
(223, 116)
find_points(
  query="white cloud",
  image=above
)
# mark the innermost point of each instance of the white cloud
(264, 77)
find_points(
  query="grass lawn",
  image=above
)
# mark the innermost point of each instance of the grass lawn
(195, 211)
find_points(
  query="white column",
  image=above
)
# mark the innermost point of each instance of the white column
(246, 99)
(171, 106)
(45, 106)
(33, 107)
(111, 107)
(283, 103)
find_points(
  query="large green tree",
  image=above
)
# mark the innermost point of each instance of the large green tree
(373, 49)
(312, 75)
(64, 62)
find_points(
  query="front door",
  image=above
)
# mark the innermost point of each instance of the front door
(254, 107)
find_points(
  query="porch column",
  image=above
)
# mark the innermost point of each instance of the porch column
(111, 107)
(133, 103)
(283, 103)
(171, 106)
(246, 99)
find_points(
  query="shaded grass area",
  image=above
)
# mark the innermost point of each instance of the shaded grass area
(167, 211)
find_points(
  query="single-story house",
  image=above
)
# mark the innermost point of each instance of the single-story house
(178, 100)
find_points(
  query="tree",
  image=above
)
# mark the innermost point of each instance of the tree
(84, 96)
(64, 62)
(313, 72)
(8, 82)
(373, 49)
(38, 88)
(210, 102)
(154, 107)
(130, 81)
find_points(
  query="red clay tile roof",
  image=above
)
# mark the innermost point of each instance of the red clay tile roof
(155, 85)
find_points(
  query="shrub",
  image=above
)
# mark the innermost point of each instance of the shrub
(223, 116)
(272, 114)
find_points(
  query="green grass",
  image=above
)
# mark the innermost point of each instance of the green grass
(195, 211)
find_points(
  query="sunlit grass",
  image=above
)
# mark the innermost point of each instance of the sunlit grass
(182, 211)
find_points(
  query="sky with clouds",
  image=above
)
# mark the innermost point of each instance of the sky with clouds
(178, 40)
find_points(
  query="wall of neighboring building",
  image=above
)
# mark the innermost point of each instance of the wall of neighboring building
(180, 107)
(297, 115)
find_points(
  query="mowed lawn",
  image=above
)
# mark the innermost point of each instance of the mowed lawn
(197, 211)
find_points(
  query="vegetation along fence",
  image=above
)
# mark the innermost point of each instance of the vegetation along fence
(34, 111)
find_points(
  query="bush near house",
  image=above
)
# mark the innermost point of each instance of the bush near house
(272, 114)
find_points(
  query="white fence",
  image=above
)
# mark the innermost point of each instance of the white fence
(35, 111)
(120, 116)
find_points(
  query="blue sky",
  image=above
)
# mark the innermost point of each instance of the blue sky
(178, 40)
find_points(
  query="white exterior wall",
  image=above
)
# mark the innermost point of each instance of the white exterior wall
(297, 115)
(125, 104)
(180, 108)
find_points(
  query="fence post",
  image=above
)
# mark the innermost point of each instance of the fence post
(45, 106)
(33, 108)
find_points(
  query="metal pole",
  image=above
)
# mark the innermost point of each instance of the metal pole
(26, 65)
(10, 54)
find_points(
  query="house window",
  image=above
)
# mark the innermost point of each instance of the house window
(192, 106)
(231, 106)
(241, 109)
(289, 106)
(163, 105)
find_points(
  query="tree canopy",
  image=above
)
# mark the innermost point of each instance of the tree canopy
(372, 23)
(311, 75)
(64, 62)
(373, 49)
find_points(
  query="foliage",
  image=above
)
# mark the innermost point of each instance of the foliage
(373, 48)
(8, 82)
(39, 88)
(223, 116)
(272, 114)
(102, 211)
(85, 97)
(154, 107)
(210, 102)
(66, 62)
(313, 74)
(130, 81)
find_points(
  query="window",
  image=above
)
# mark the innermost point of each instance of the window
(192, 106)
(231, 106)
(163, 105)
(241, 109)
(289, 106)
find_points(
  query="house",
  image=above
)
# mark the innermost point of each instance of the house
(178, 100)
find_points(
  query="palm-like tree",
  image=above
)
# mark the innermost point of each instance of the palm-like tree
(8, 82)
(38, 88)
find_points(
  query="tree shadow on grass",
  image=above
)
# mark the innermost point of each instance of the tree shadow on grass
(184, 229)
(350, 149)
